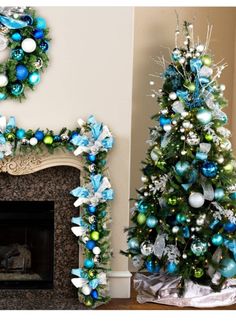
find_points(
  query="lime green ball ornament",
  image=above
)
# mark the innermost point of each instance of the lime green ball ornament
(208, 137)
(198, 272)
(206, 59)
(10, 136)
(94, 235)
(172, 200)
(228, 168)
(88, 301)
(48, 140)
(141, 218)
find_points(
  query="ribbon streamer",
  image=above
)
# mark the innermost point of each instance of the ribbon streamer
(159, 246)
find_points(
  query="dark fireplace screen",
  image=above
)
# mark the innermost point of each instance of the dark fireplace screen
(26, 244)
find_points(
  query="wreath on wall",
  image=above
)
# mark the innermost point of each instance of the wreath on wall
(27, 37)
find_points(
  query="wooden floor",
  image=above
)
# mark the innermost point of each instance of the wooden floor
(132, 304)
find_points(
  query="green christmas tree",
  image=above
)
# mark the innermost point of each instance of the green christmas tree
(184, 220)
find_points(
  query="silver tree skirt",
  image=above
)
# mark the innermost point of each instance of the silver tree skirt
(162, 289)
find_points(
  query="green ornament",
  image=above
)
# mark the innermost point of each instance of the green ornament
(91, 273)
(160, 163)
(190, 86)
(206, 59)
(228, 168)
(181, 218)
(198, 272)
(172, 200)
(94, 235)
(141, 218)
(208, 137)
(10, 136)
(48, 140)
(88, 301)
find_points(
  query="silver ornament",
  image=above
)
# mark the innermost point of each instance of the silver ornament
(196, 200)
(200, 48)
(201, 219)
(226, 144)
(154, 154)
(187, 124)
(97, 259)
(173, 96)
(192, 139)
(39, 63)
(175, 229)
(167, 127)
(146, 248)
(91, 219)
(184, 256)
(144, 179)
(137, 261)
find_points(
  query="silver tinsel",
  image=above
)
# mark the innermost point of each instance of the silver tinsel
(159, 185)
(159, 245)
(208, 130)
(221, 212)
(172, 253)
(224, 132)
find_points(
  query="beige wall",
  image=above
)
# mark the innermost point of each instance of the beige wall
(153, 36)
(90, 73)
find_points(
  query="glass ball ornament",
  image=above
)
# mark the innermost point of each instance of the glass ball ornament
(91, 157)
(196, 200)
(142, 207)
(232, 196)
(152, 267)
(198, 247)
(217, 239)
(167, 127)
(173, 96)
(180, 218)
(88, 301)
(208, 137)
(28, 19)
(144, 179)
(39, 135)
(229, 227)
(96, 250)
(155, 153)
(10, 136)
(90, 244)
(171, 267)
(20, 134)
(28, 45)
(182, 168)
(94, 294)
(164, 121)
(94, 235)
(141, 218)
(228, 268)
(133, 243)
(41, 23)
(16, 37)
(88, 263)
(151, 221)
(91, 273)
(91, 209)
(17, 89)
(187, 124)
(209, 169)
(198, 272)
(228, 168)
(21, 72)
(220, 159)
(44, 45)
(146, 248)
(204, 116)
(3, 80)
(86, 290)
(175, 229)
(17, 54)
(48, 140)
(38, 34)
(34, 78)
(219, 194)
(33, 141)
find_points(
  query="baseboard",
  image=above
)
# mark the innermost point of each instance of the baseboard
(120, 282)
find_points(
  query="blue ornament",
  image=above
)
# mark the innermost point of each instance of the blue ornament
(34, 78)
(186, 232)
(217, 239)
(39, 135)
(16, 37)
(183, 94)
(142, 207)
(38, 34)
(152, 267)
(229, 227)
(17, 89)
(209, 169)
(180, 218)
(91, 157)
(228, 268)
(88, 263)
(201, 155)
(41, 23)
(195, 64)
(232, 196)
(151, 221)
(3, 96)
(57, 138)
(17, 54)
(204, 116)
(219, 193)
(133, 243)
(21, 72)
(92, 209)
(213, 224)
(20, 134)
(28, 19)
(164, 121)
(90, 244)
(182, 167)
(74, 134)
(94, 294)
(171, 267)
(44, 45)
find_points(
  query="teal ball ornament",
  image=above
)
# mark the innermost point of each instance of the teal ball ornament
(133, 244)
(20, 134)
(228, 268)
(40, 23)
(3, 96)
(142, 207)
(219, 193)
(88, 263)
(198, 247)
(204, 116)
(217, 239)
(16, 37)
(34, 78)
(21, 72)
(171, 268)
(201, 155)
(181, 168)
(209, 169)
(232, 196)
(17, 54)
(180, 218)
(91, 209)
(17, 89)
(164, 121)
(229, 227)
(91, 157)
(151, 221)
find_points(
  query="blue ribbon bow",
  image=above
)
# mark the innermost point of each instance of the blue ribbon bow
(12, 23)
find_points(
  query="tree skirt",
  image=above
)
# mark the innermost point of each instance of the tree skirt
(162, 289)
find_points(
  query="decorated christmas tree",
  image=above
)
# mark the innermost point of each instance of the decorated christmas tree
(184, 221)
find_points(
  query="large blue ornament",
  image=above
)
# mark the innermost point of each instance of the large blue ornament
(201, 155)
(133, 243)
(44, 45)
(182, 167)
(21, 72)
(164, 121)
(219, 193)
(3, 96)
(88, 263)
(17, 54)
(171, 267)
(91, 157)
(217, 239)
(232, 196)
(16, 37)
(34, 78)
(92, 209)
(204, 116)
(152, 267)
(195, 64)
(209, 169)
(142, 207)
(20, 134)
(39, 135)
(228, 268)
(41, 23)
(94, 294)
(198, 247)
(151, 221)
(230, 227)
(38, 34)
(90, 244)
(16, 89)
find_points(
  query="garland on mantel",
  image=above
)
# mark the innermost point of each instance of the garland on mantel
(91, 140)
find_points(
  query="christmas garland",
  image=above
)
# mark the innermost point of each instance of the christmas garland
(27, 37)
(92, 141)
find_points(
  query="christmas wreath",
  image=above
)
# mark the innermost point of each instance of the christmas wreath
(27, 37)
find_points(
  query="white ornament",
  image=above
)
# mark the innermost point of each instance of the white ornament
(96, 250)
(222, 87)
(28, 45)
(182, 60)
(196, 200)
(175, 229)
(3, 80)
(86, 290)
(187, 124)
(167, 127)
(144, 179)
(200, 48)
(33, 141)
(173, 96)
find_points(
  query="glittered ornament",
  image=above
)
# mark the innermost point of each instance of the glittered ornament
(17, 54)
(88, 263)
(28, 45)
(217, 239)
(151, 221)
(38, 64)
(141, 218)
(219, 193)
(228, 268)
(48, 140)
(171, 268)
(192, 139)
(172, 200)
(209, 169)
(39, 135)
(198, 272)
(133, 243)
(142, 207)
(3, 80)
(34, 78)
(44, 45)
(198, 247)
(21, 72)
(146, 248)
(204, 116)
(196, 200)
(180, 218)
(182, 168)
(17, 89)
(94, 235)
(20, 134)
(90, 244)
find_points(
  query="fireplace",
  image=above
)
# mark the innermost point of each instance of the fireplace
(26, 244)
